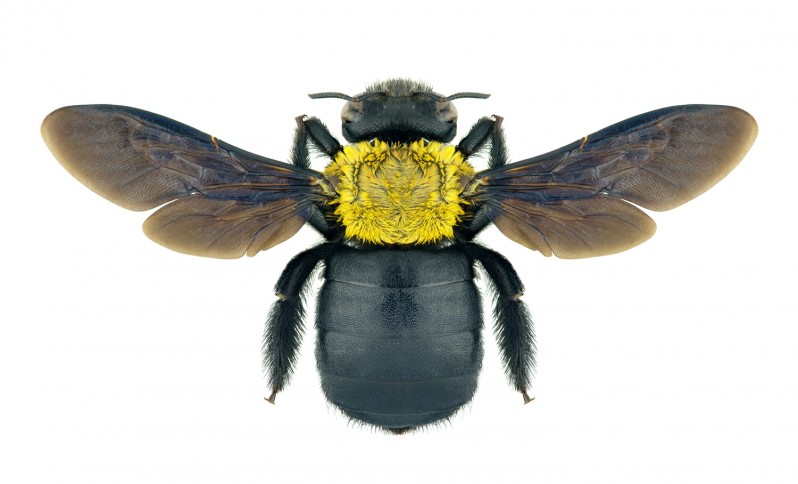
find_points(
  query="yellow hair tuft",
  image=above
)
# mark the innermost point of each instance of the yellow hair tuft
(399, 193)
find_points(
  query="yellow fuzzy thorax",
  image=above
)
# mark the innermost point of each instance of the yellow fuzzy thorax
(399, 193)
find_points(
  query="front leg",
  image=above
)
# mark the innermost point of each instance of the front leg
(311, 130)
(486, 130)
(514, 330)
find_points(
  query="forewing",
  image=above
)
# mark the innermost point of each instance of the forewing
(232, 202)
(658, 160)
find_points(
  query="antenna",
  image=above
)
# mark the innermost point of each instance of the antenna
(322, 95)
(460, 95)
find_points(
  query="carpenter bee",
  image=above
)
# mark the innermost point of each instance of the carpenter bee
(399, 319)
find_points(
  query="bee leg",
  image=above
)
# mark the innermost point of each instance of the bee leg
(284, 326)
(300, 156)
(320, 222)
(311, 130)
(476, 224)
(486, 130)
(314, 131)
(477, 136)
(514, 329)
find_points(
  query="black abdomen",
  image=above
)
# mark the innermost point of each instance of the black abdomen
(399, 341)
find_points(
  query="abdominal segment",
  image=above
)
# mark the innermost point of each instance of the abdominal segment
(399, 346)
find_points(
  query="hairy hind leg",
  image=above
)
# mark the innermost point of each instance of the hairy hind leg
(284, 327)
(514, 329)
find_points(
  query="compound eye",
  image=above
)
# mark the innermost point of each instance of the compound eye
(445, 112)
(352, 112)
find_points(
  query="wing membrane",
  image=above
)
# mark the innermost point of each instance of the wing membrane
(658, 160)
(224, 229)
(573, 229)
(232, 201)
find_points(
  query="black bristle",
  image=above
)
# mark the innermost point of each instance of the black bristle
(399, 87)
(281, 341)
(513, 325)
(284, 326)
(515, 335)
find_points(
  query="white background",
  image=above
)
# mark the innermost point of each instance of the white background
(123, 362)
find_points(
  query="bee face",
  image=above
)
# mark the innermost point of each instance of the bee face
(399, 118)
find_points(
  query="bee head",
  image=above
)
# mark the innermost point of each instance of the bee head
(399, 111)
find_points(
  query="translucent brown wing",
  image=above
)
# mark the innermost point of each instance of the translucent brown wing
(574, 202)
(226, 202)
(225, 229)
